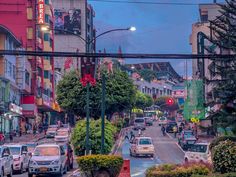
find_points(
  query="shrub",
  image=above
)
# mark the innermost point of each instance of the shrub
(91, 164)
(186, 170)
(216, 141)
(217, 175)
(224, 157)
(79, 137)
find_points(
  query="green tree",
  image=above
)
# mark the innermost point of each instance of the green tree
(143, 100)
(120, 94)
(147, 74)
(79, 137)
(225, 69)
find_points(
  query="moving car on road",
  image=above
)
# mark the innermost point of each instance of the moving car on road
(6, 162)
(162, 121)
(51, 132)
(139, 123)
(20, 157)
(186, 139)
(142, 146)
(48, 159)
(198, 152)
(62, 135)
(170, 127)
(148, 121)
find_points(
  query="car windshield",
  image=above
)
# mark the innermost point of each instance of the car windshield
(31, 147)
(188, 134)
(62, 133)
(139, 121)
(52, 126)
(15, 150)
(162, 118)
(46, 151)
(198, 148)
(145, 141)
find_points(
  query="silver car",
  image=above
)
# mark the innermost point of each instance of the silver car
(139, 123)
(6, 162)
(48, 159)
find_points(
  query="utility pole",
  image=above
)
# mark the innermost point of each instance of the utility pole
(103, 113)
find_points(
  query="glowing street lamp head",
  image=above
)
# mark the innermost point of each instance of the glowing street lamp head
(132, 28)
(44, 28)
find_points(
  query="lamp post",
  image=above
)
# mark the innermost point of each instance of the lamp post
(88, 80)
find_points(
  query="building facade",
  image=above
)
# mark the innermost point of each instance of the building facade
(72, 19)
(37, 104)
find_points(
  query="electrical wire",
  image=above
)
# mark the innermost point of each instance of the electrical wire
(146, 2)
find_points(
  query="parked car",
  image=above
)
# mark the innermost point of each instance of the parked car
(62, 135)
(186, 139)
(198, 152)
(69, 155)
(142, 146)
(51, 132)
(148, 121)
(162, 121)
(20, 157)
(67, 126)
(48, 159)
(53, 126)
(170, 127)
(6, 162)
(139, 123)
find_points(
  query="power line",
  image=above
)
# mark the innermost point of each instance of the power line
(116, 55)
(147, 2)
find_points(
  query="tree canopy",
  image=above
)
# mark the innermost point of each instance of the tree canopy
(143, 100)
(120, 94)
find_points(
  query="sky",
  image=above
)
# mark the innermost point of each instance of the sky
(160, 28)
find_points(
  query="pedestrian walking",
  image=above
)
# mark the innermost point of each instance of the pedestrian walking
(11, 136)
(139, 132)
(126, 135)
(163, 129)
(180, 129)
(131, 135)
(175, 130)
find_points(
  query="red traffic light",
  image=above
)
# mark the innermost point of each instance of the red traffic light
(170, 101)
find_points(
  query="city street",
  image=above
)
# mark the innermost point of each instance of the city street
(166, 151)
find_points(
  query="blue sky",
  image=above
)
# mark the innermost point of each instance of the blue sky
(160, 28)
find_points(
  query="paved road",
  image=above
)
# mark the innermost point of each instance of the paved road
(166, 151)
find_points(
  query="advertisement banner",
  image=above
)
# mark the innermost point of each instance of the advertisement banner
(41, 10)
(69, 21)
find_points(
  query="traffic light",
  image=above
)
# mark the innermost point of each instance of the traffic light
(170, 101)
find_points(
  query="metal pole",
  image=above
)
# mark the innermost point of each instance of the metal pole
(87, 120)
(103, 113)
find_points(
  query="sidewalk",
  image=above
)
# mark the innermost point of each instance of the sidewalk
(26, 138)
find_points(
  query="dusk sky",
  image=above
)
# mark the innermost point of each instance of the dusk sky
(160, 28)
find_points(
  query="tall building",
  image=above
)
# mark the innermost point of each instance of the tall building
(73, 18)
(24, 19)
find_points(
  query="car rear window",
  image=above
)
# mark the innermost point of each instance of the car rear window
(145, 141)
(139, 121)
(162, 118)
(198, 148)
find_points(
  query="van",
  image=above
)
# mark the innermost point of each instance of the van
(139, 123)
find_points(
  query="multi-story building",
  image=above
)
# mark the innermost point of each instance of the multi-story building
(15, 75)
(73, 21)
(24, 19)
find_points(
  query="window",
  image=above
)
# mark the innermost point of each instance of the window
(46, 37)
(29, 33)
(27, 77)
(47, 58)
(47, 18)
(46, 2)
(39, 71)
(46, 74)
(9, 69)
(2, 94)
(29, 13)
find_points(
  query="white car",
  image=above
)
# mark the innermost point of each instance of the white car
(62, 135)
(142, 146)
(48, 159)
(198, 152)
(51, 132)
(162, 121)
(6, 162)
(139, 123)
(20, 157)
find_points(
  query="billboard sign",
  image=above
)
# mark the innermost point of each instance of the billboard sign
(67, 20)
(41, 10)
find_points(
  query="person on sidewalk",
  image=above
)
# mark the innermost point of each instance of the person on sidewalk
(163, 129)
(11, 136)
(126, 135)
(175, 130)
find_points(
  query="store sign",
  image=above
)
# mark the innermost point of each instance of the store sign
(41, 10)
(15, 109)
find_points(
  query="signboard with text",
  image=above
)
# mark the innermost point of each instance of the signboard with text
(41, 10)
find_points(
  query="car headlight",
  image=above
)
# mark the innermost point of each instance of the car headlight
(32, 163)
(55, 162)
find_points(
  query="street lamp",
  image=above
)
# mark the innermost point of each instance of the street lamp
(87, 80)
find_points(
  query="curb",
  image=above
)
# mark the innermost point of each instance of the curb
(175, 143)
